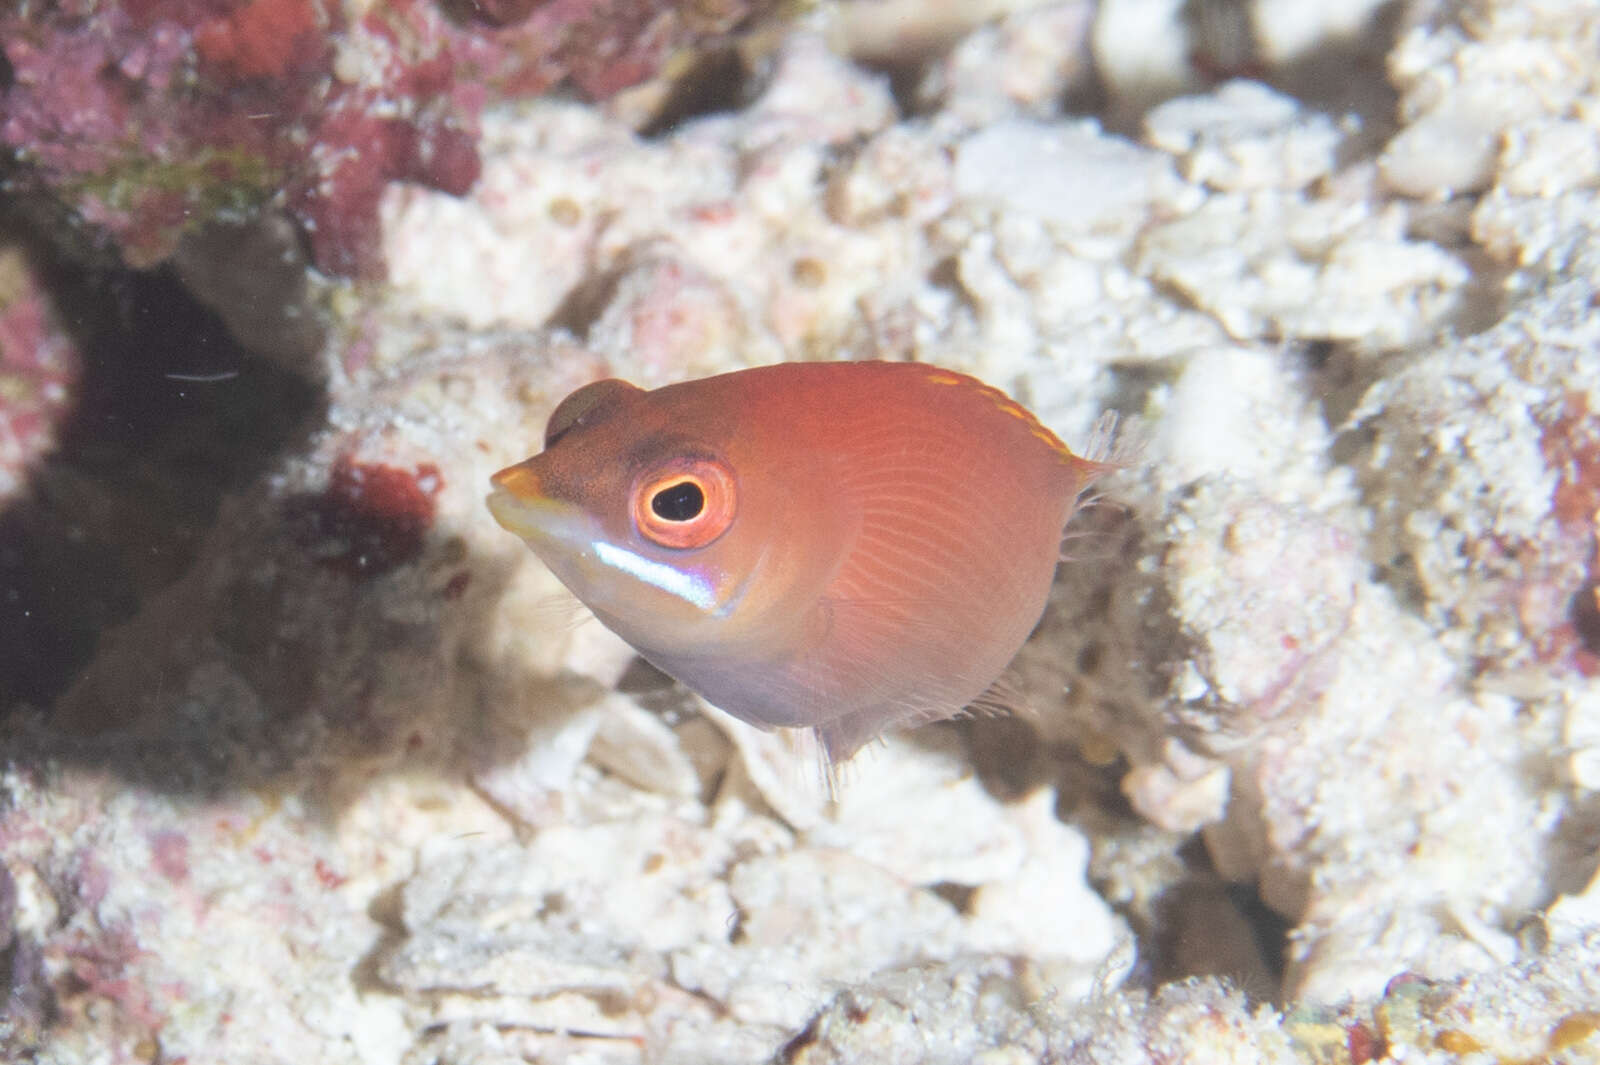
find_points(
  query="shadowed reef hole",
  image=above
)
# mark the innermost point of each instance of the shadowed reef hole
(169, 413)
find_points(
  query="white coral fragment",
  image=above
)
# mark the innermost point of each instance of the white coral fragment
(1277, 268)
(1074, 177)
(1245, 136)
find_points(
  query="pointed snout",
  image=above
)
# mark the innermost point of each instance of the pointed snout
(520, 505)
(519, 480)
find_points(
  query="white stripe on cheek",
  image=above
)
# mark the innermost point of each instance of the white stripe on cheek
(686, 586)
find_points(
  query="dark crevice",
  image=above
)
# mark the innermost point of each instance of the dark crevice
(1269, 928)
(585, 303)
(1206, 926)
(1585, 614)
(169, 413)
(905, 75)
(717, 83)
(1339, 378)
(1350, 76)
(1338, 76)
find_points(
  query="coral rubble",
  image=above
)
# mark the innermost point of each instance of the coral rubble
(1311, 765)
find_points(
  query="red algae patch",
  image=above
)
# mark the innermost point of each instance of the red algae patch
(1571, 444)
(371, 518)
(262, 39)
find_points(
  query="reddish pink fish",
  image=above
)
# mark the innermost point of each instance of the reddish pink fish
(847, 547)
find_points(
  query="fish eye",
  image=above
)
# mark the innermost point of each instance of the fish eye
(679, 502)
(688, 504)
(571, 411)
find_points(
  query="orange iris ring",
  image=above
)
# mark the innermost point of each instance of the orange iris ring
(716, 485)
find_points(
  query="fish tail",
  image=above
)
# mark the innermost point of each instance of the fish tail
(1114, 444)
(1101, 446)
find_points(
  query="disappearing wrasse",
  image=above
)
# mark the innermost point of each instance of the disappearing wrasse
(847, 547)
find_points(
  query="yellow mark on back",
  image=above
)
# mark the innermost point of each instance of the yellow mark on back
(1006, 405)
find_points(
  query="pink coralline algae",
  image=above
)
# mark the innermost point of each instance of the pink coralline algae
(149, 118)
(39, 365)
(169, 855)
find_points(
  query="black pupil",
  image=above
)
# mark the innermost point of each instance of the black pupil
(679, 502)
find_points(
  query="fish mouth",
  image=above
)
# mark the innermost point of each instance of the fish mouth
(520, 506)
(573, 545)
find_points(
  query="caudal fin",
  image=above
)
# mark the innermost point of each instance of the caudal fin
(1114, 444)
